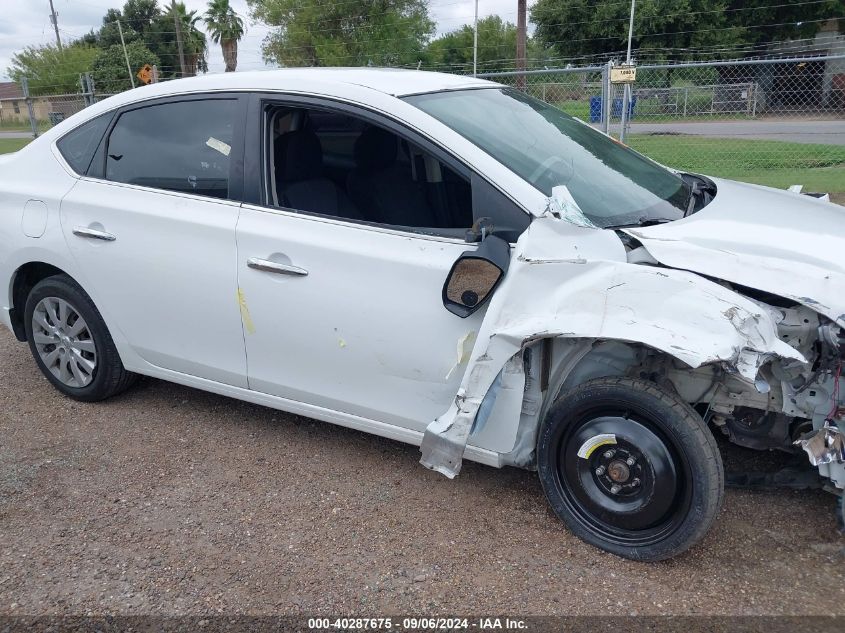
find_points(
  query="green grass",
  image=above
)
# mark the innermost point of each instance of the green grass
(774, 163)
(12, 144)
(647, 112)
(17, 126)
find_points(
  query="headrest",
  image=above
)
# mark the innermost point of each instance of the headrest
(302, 156)
(375, 149)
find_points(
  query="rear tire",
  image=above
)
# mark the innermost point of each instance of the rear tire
(630, 468)
(70, 341)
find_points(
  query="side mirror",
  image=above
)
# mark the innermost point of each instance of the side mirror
(475, 275)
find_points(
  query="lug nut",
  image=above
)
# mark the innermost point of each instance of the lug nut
(635, 482)
(609, 454)
(600, 470)
(630, 461)
(615, 488)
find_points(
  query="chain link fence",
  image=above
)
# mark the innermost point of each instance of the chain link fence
(777, 122)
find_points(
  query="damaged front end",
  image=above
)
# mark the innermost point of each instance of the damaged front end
(556, 293)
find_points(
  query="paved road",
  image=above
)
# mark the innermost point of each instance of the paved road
(827, 132)
(168, 500)
(15, 134)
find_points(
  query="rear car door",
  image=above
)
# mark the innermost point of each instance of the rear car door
(152, 228)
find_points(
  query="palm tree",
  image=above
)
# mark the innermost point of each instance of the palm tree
(194, 44)
(226, 28)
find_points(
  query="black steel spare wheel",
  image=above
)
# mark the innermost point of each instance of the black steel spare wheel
(630, 468)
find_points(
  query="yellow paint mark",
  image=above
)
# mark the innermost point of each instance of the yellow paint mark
(341, 342)
(247, 320)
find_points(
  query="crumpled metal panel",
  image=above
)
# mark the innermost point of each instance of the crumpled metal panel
(546, 295)
(774, 241)
(824, 446)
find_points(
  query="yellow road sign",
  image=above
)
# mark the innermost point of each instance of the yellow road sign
(145, 74)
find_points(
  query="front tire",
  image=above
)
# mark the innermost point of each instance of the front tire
(70, 342)
(630, 468)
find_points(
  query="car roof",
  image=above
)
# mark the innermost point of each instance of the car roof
(327, 82)
(392, 81)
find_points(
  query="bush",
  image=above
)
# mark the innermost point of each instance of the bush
(109, 68)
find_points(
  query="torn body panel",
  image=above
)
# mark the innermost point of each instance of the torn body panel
(547, 295)
(760, 245)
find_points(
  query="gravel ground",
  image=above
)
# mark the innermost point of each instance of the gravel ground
(168, 500)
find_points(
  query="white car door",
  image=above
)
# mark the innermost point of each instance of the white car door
(152, 229)
(343, 313)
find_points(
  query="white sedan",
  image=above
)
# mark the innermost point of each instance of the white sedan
(442, 261)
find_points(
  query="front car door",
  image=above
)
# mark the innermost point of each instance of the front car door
(152, 228)
(342, 306)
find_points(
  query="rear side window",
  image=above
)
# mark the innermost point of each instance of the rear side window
(181, 146)
(78, 146)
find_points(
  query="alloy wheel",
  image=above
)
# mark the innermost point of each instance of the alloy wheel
(64, 342)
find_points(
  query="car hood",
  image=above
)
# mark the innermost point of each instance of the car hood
(776, 241)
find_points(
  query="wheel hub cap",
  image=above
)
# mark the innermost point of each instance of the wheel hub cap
(618, 471)
(63, 342)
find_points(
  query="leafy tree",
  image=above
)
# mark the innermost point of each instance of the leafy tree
(163, 42)
(109, 34)
(793, 21)
(143, 21)
(347, 33)
(140, 15)
(672, 29)
(496, 42)
(109, 68)
(225, 28)
(50, 70)
(496, 47)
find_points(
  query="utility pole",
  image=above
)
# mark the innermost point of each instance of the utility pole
(521, 10)
(475, 43)
(54, 18)
(626, 98)
(126, 55)
(178, 24)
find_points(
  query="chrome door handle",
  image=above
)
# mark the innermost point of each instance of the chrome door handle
(82, 231)
(273, 267)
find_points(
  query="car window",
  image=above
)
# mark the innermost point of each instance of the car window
(179, 146)
(78, 146)
(612, 184)
(335, 164)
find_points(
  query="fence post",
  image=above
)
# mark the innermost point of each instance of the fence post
(32, 122)
(605, 98)
(87, 89)
(686, 98)
(89, 80)
(754, 101)
(626, 104)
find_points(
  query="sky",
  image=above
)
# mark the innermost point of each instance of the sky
(27, 22)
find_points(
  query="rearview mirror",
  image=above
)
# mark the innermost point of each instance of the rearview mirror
(475, 275)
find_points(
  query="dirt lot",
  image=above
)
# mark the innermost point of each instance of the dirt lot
(168, 500)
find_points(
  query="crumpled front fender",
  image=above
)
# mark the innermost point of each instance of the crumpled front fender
(680, 313)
